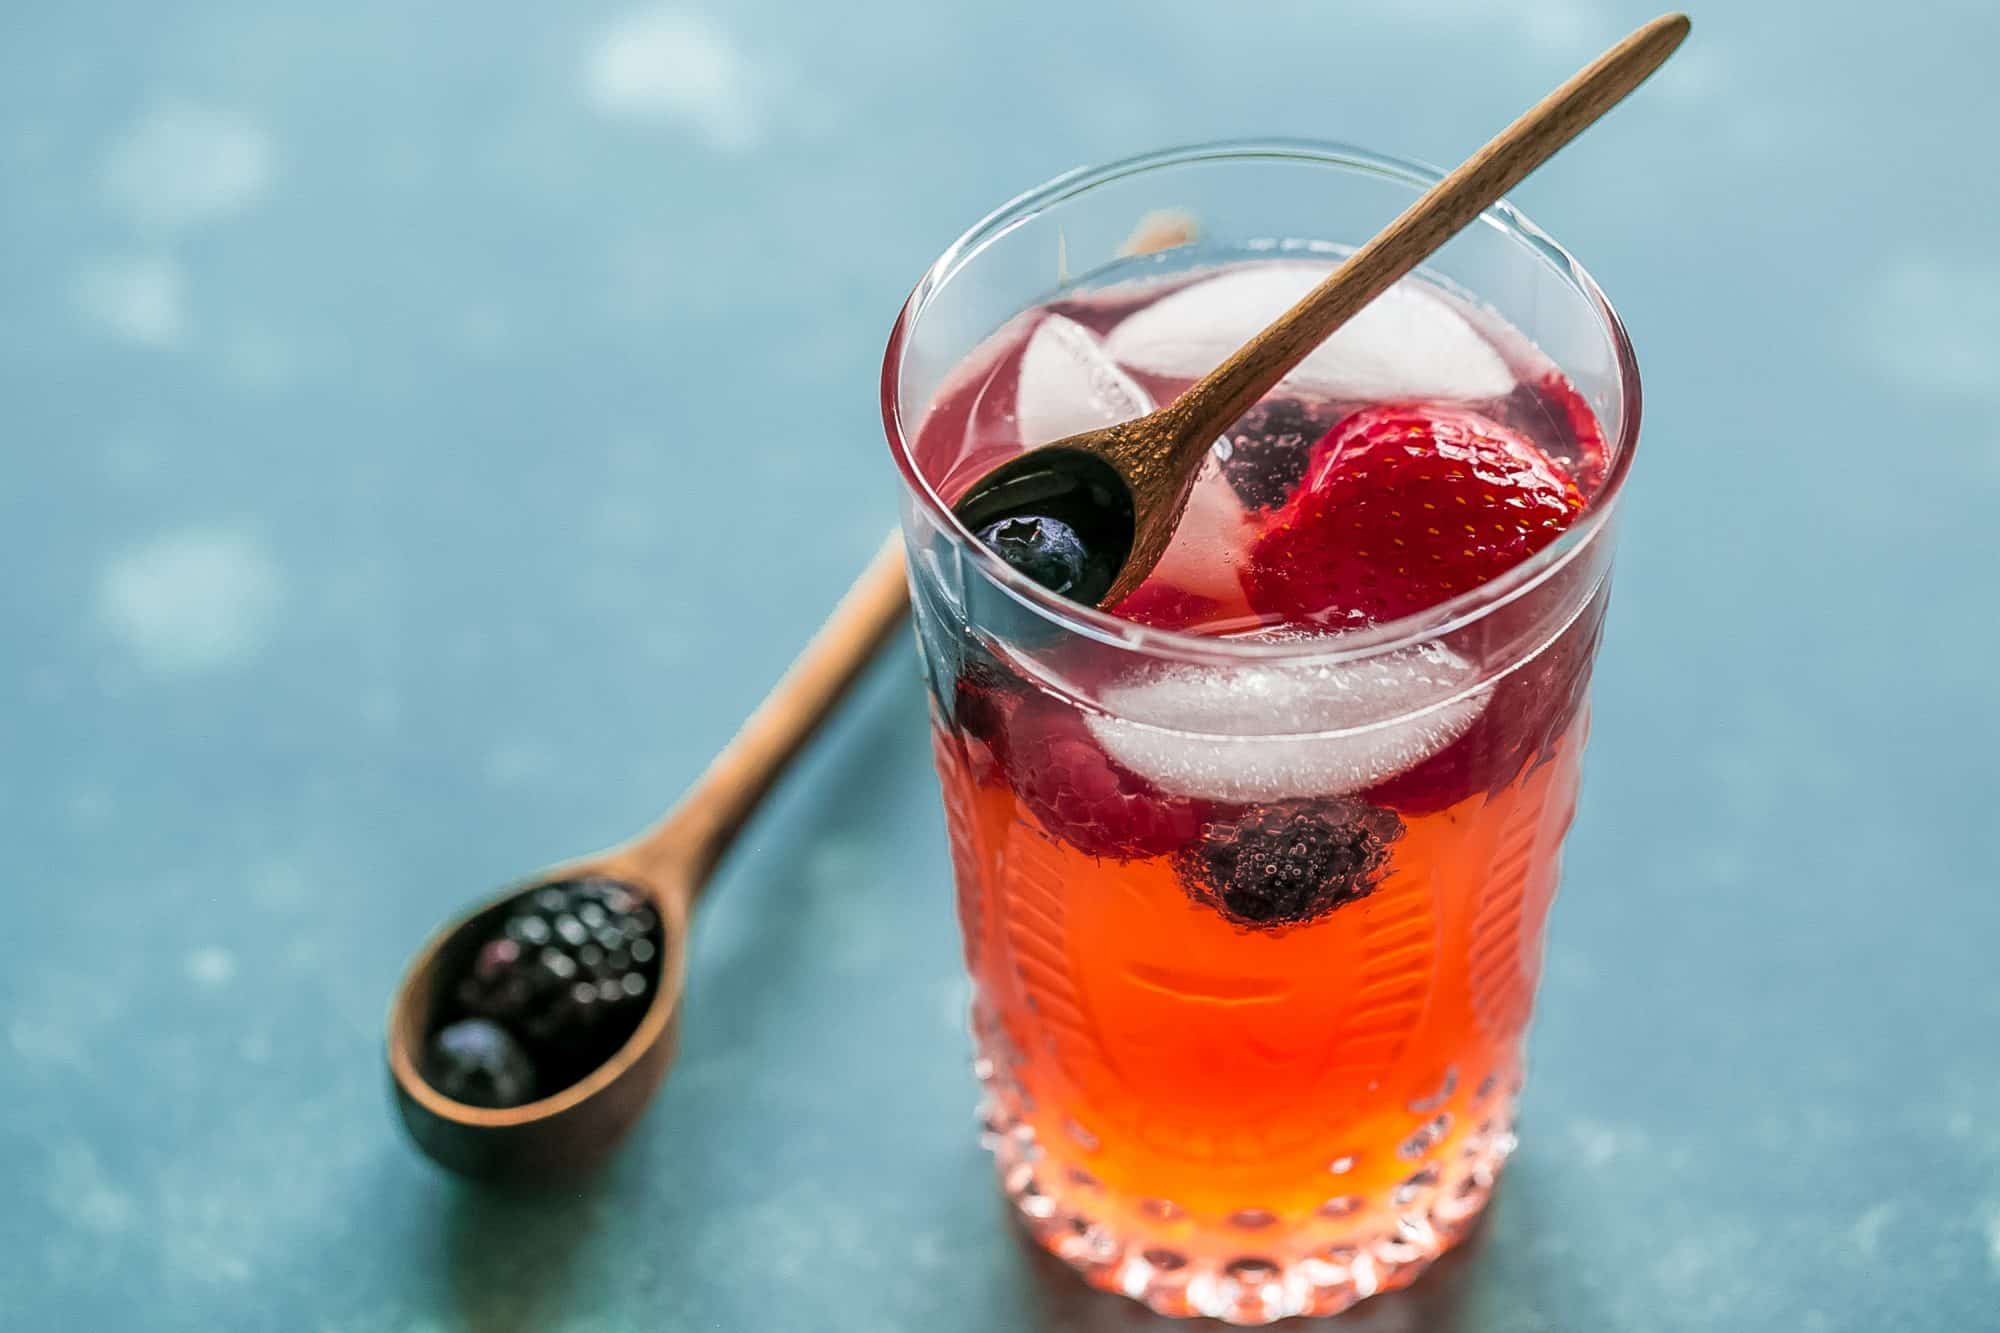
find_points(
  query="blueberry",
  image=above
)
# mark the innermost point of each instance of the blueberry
(480, 1064)
(1047, 550)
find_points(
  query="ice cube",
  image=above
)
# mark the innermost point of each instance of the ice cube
(1214, 531)
(1069, 384)
(1191, 729)
(1407, 343)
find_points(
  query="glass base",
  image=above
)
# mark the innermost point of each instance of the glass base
(1250, 1288)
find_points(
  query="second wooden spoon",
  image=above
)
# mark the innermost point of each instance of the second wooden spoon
(573, 1127)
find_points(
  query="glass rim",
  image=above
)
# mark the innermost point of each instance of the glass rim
(1342, 645)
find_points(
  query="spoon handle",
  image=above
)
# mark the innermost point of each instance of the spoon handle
(1227, 392)
(699, 829)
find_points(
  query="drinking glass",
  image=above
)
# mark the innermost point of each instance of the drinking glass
(1208, 1115)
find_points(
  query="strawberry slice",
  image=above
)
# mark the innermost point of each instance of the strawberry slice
(1403, 507)
(1550, 409)
(1085, 798)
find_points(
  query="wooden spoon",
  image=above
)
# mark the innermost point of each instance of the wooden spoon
(669, 864)
(1122, 488)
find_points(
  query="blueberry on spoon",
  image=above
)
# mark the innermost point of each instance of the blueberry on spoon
(476, 1062)
(1046, 549)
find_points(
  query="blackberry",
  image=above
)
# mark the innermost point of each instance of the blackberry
(570, 971)
(1085, 798)
(480, 1064)
(1289, 862)
(1269, 449)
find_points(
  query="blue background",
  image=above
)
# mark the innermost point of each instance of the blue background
(428, 429)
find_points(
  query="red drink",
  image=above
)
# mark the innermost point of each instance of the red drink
(1254, 928)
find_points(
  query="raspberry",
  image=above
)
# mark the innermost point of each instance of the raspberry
(984, 701)
(1269, 449)
(1080, 795)
(1530, 710)
(569, 973)
(1290, 862)
(1402, 508)
(1164, 606)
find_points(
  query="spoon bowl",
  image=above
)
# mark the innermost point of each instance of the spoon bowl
(568, 1130)
(1081, 488)
(575, 1127)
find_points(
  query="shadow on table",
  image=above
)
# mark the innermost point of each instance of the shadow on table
(509, 1252)
(512, 1256)
(1436, 1303)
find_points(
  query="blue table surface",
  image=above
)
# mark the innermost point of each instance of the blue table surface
(428, 428)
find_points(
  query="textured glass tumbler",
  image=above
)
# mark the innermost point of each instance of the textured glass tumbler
(1215, 1120)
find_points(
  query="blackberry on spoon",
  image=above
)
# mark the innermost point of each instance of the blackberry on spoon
(569, 970)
